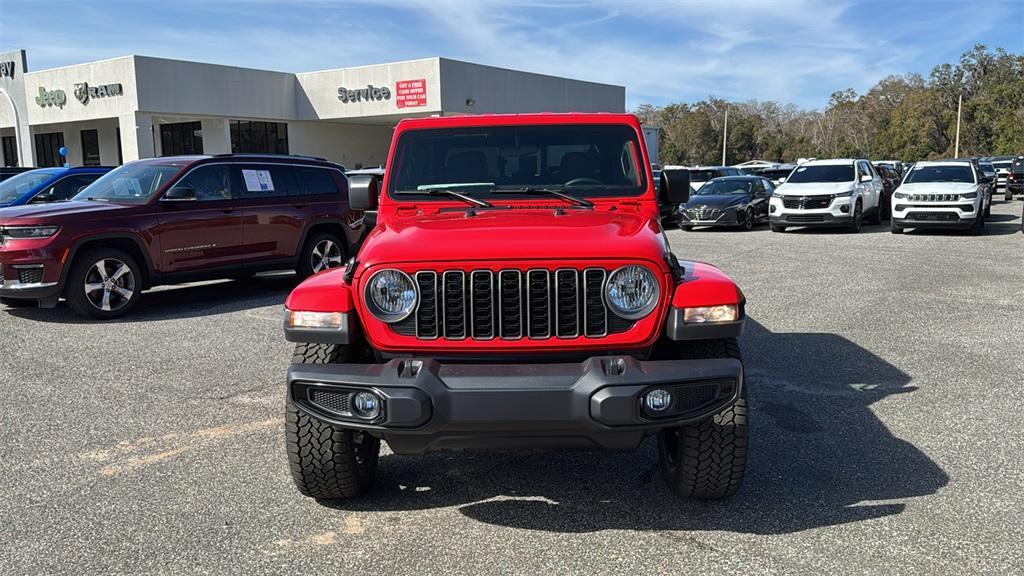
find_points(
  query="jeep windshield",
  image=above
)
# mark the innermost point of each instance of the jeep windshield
(132, 183)
(821, 173)
(486, 162)
(941, 174)
(16, 186)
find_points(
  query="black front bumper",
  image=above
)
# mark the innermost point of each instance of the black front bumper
(592, 404)
(810, 220)
(918, 221)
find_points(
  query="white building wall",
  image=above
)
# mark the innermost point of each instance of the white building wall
(318, 95)
(115, 71)
(346, 144)
(477, 89)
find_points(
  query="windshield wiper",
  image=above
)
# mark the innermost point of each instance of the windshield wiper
(556, 192)
(452, 193)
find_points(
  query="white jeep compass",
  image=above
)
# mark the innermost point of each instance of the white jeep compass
(946, 194)
(840, 192)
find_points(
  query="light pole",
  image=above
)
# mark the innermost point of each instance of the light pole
(959, 108)
(725, 132)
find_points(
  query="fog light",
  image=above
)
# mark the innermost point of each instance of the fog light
(366, 405)
(658, 400)
(771, 209)
(845, 208)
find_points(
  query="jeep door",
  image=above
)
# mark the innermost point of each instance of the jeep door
(205, 232)
(273, 212)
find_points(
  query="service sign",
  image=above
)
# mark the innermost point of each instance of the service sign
(411, 93)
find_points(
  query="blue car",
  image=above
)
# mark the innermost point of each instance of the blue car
(46, 185)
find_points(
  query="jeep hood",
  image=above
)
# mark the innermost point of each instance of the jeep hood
(514, 234)
(56, 212)
(938, 187)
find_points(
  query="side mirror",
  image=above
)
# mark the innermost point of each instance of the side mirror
(180, 194)
(865, 178)
(362, 192)
(675, 186)
(780, 181)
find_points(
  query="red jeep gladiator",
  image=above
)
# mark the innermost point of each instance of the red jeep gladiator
(515, 290)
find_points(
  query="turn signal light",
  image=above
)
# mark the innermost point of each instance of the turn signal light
(325, 320)
(709, 314)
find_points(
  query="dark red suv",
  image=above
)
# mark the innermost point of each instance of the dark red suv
(171, 220)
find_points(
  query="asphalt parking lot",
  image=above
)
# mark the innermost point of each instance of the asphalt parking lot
(885, 377)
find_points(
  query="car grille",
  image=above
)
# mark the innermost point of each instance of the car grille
(30, 275)
(934, 216)
(805, 218)
(933, 197)
(511, 304)
(334, 401)
(806, 202)
(703, 213)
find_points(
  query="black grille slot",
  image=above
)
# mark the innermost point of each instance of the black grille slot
(30, 275)
(510, 299)
(567, 302)
(696, 396)
(454, 299)
(805, 218)
(482, 301)
(538, 297)
(594, 312)
(806, 202)
(331, 400)
(426, 314)
(511, 304)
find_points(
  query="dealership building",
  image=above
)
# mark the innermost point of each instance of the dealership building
(109, 112)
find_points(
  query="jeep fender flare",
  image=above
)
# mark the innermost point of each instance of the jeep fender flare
(704, 285)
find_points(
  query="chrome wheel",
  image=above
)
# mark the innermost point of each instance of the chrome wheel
(109, 285)
(326, 254)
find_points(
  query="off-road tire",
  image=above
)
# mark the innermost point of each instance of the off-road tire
(707, 459)
(327, 462)
(74, 291)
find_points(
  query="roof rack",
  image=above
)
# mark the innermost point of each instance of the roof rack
(259, 155)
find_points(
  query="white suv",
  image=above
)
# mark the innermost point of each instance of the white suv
(841, 192)
(946, 194)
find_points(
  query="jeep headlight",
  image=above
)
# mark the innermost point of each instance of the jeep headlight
(391, 295)
(900, 195)
(969, 195)
(631, 292)
(30, 231)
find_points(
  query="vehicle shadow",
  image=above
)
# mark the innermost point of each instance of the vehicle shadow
(991, 229)
(819, 457)
(838, 230)
(185, 301)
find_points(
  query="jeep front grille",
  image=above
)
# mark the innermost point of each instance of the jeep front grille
(511, 304)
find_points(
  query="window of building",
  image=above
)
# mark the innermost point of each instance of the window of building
(259, 137)
(9, 144)
(90, 148)
(48, 147)
(181, 138)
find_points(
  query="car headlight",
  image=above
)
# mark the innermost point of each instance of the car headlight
(776, 195)
(30, 231)
(711, 314)
(846, 194)
(391, 295)
(900, 195)
(969, 195)
(631, 292)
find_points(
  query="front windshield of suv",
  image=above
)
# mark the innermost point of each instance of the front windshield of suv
(725, 188)
(15, 186)
(132, 183)
(822, 173)
(582, 160)
(1002, 165)
(940, 174)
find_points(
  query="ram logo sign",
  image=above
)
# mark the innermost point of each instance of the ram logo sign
(84, 93)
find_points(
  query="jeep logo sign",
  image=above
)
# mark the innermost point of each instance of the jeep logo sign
(368, 94)
(48, 98)
(84, 92)
(7, 69)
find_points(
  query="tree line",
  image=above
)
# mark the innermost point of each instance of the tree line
(904, 117)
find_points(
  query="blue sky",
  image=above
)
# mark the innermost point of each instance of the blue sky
(796, 51)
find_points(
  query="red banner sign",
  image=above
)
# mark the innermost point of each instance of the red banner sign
(411, 93)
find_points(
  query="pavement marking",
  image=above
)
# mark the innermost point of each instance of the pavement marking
(128, 456)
